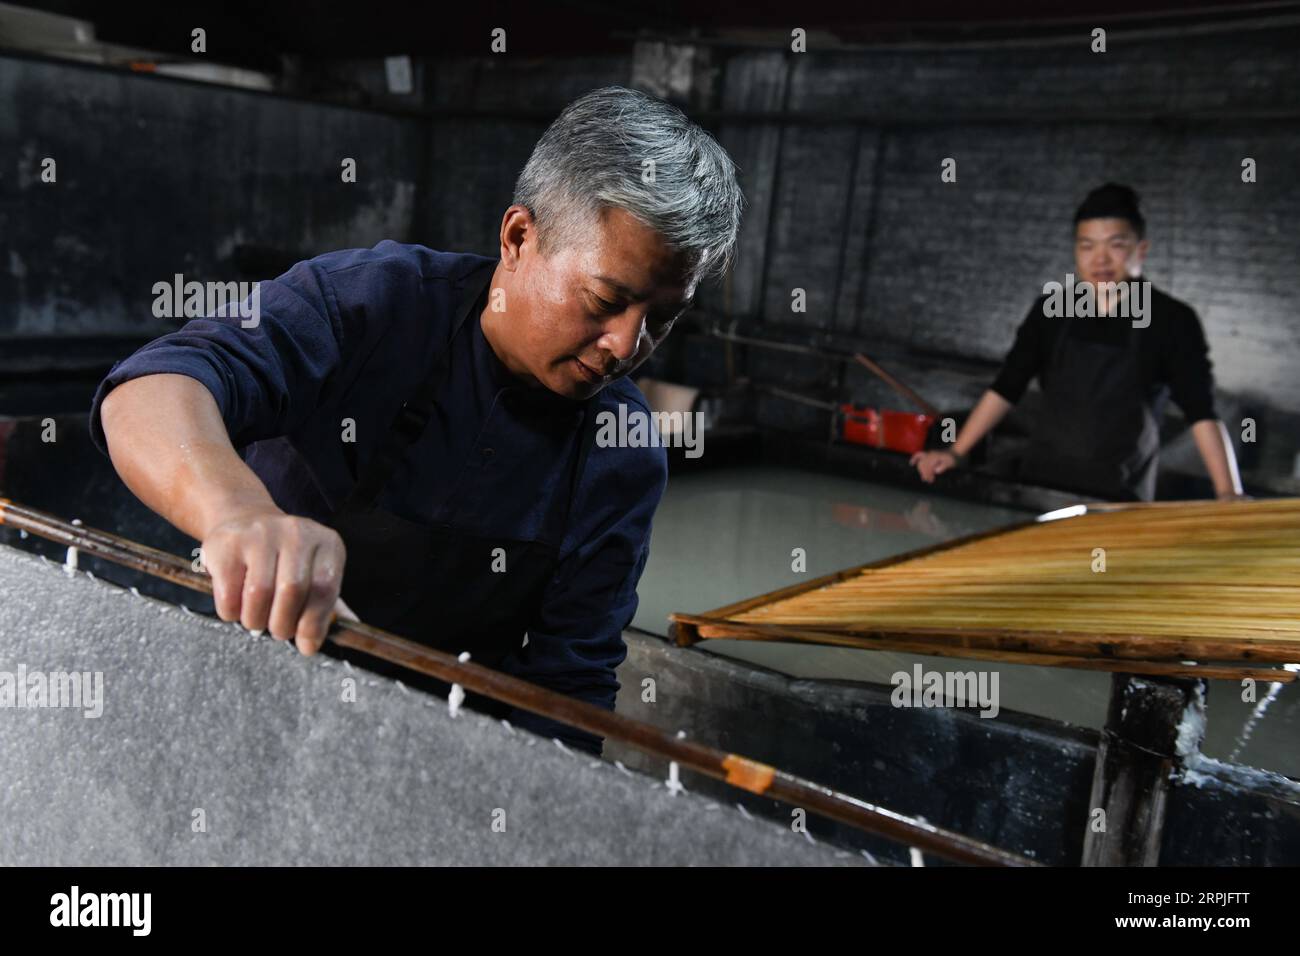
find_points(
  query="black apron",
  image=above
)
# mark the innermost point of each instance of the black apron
(435, 584)
(1098, 433)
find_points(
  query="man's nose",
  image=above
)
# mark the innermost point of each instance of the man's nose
(623, 334)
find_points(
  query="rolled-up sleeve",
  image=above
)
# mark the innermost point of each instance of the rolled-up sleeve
(313, 323)
(577, 640)
(264, 378)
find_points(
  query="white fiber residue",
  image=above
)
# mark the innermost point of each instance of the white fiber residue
(674, 783)
(1191, 729)
(456, 696)
(1199, 770)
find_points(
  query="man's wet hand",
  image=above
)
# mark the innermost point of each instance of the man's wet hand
(278, 572)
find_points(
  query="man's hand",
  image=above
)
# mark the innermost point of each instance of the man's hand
(275, 571)
(931, 463)
(1232, 496)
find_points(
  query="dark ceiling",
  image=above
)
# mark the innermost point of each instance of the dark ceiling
(255, 34)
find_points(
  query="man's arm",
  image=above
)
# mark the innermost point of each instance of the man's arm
(168, 441)
(1216, 450)
(1191, 382)
(1019, 367)
(170, 416)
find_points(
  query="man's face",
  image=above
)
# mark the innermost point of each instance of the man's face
(1107, 250)
(587, 315)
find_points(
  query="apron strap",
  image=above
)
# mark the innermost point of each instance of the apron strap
(412, 418)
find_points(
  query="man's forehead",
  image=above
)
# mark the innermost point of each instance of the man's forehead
(1105, 229)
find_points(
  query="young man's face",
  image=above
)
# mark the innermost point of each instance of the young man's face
(577, 320)
(1107, 250)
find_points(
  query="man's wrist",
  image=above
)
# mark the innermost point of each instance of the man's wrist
(228, 506)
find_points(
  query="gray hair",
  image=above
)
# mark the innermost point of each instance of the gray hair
(593, 157)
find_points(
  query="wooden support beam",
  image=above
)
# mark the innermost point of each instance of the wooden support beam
(1151, 725)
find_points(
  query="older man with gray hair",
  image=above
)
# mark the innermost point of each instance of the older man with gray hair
(412, 430)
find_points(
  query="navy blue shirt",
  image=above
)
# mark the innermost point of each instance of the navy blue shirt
(346, 338)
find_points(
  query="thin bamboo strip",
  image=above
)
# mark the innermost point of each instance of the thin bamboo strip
(1280, 547)
(1076, 612)
(1031, 595)
(1103, 507)
(1055, 616)
(1258, 602)
(1261, 561)
(1270, 545)
(1165, 592)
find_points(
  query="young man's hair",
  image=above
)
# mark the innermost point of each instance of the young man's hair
(1113, 201)
(615, 147)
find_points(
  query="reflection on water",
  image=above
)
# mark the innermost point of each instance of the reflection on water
(722, 536)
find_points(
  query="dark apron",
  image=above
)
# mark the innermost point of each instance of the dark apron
(435, 584)
(1098, 433)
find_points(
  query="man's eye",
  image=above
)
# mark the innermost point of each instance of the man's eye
(665, 322)
(604, 306)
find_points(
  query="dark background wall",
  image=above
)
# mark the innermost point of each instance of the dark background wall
(839, 155)
(158, 176)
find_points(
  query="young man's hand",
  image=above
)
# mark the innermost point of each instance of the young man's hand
(276, 571)
(931, 463)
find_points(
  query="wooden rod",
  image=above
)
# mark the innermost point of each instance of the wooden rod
(951, 640)
(734, 769)
(712, 629)
(896, 385)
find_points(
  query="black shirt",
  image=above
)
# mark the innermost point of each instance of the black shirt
(1172, 352)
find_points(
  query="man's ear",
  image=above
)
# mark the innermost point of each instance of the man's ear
(517, 228)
